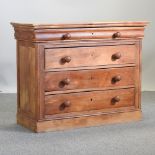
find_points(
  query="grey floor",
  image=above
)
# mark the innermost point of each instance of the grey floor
(136, 138)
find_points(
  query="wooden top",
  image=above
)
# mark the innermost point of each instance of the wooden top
(81, 25)
(83, 31)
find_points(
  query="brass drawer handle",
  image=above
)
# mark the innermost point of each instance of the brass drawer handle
(66, 36)
(116, 79)
(66, 59)
(65, 105)
(116, 56)
(116, 35)
(115, 99)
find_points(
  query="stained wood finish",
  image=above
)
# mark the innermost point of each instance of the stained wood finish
(89, 43)
(65, 103)
(84, 79)
(100, 33)
(86, 56)
(81, 25)
(51, 32)
(26, 86)
(93, 120)
(98, 64)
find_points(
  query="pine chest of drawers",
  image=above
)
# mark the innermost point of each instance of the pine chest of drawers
(78, 75)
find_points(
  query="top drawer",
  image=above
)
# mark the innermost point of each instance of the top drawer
(89, 56)
(89, 33)
(100, 30)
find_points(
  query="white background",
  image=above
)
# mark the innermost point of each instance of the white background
(67, 11)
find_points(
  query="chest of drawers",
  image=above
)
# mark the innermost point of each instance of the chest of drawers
(78, 75)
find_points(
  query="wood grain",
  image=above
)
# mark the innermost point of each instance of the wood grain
(99, 63)
(84, 79)
(26, 91)
(85, 56)
(98, 120)
(82, 25)
(49, 35)
(88, 101)
(102, 30)
(89, 43)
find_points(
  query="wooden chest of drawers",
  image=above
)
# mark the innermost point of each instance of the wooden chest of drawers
(78, 75)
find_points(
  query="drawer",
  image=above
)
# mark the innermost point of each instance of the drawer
(89, 33)
(64, 103)
(86, 79)
(89, 56)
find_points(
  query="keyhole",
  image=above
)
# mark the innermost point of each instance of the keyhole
(91, 99)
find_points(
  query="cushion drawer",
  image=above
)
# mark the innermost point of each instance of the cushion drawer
(89, 56)
(64, 103)
(87, 79)
(89, 33)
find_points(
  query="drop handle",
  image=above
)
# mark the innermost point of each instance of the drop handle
(65, 105)
(115, 99)
(66, 36)
(116, 79)
(66, 59)
(66, 81)
(116, 56)
(116, 35)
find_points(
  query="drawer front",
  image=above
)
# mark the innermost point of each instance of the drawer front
(85, 79)
(85, 101)
(89, 56)
(90, 33)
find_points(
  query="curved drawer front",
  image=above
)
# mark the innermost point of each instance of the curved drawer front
(64, 103)
(87, 79)
(89, 33)
(89, 56)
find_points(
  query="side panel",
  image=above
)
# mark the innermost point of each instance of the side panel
(138, 76)
(40, 80)
(26, 79)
